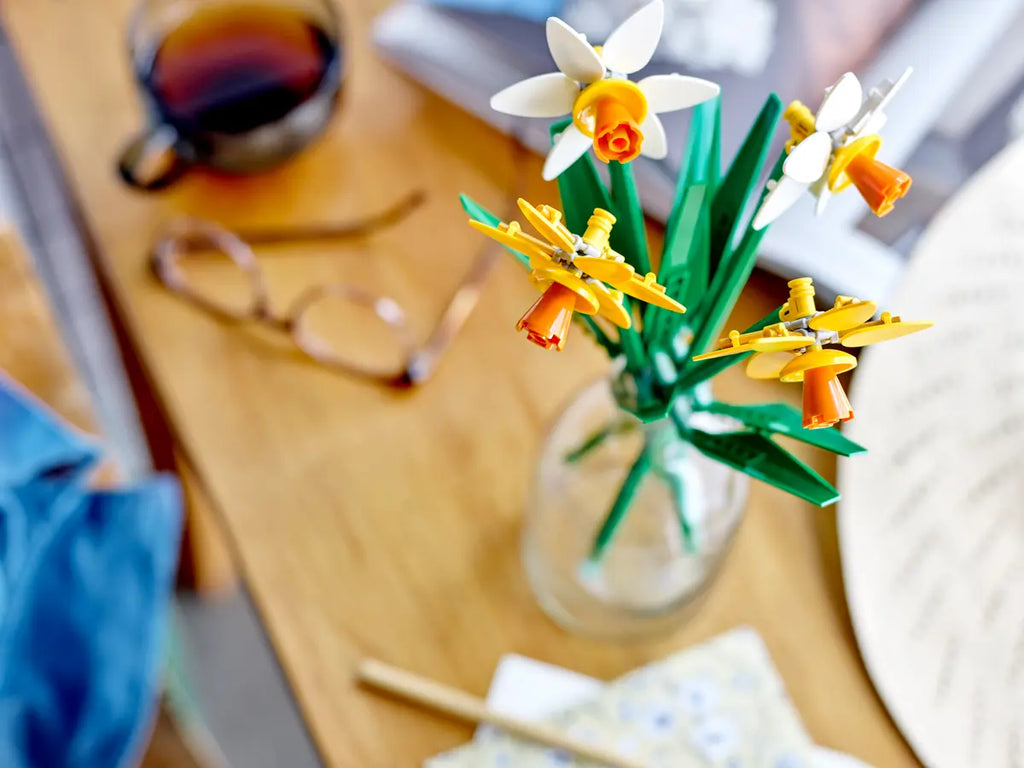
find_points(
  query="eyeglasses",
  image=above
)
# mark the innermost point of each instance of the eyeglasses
(394, 359)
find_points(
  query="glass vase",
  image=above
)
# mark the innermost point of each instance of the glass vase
(628, 523)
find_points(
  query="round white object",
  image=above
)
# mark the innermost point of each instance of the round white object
(931, 521)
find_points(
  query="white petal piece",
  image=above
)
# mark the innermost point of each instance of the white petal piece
(655, 142)
(888, 88)
(871, 117)
(573, 55)
(782, 196)
(873, 123)
(809, 158)
(667, 93)
(568, 148)
(541, 96)
(823, 196)
(631, 45)
(841, 104)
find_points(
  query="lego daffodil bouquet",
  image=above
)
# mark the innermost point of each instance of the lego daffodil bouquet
(664, 325)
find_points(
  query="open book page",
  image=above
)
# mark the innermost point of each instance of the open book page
(931, 521)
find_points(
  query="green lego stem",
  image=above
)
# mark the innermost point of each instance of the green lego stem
(620, 506)
(696, 371)
(730, 200)
(629, 235)
(580, 188)
(631, 342)
(595, 440)
(679, 490)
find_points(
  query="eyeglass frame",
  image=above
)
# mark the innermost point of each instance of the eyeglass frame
(187, 235)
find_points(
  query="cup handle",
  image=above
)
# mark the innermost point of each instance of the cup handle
(150, 161)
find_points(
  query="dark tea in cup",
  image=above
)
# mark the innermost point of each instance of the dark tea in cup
(237, 86)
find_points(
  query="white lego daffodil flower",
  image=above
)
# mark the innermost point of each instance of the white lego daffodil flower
(835, 148)
(619, 118)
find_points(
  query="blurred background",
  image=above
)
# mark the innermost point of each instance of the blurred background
(964, 103)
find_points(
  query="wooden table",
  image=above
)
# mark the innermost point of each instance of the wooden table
(372, 522)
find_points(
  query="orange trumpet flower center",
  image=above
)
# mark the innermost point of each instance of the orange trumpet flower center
(879, 184)
(616, 135)
(825, 402)
(611, 111)
(547, 322)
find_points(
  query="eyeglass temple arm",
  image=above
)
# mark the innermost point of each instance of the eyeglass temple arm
(424, 360)
(364, 226)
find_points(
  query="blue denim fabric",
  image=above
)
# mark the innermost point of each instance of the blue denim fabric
(85, 586)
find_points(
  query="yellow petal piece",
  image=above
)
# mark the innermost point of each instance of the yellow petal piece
(605, 269)
(780, 343)
(835, 359)
(846, 314)
(586, 299)
(548, 222)
(731, 345)
(888, 327)
(768, 365)
(610, 305)
(774, 338)
(511, 236)
(648, 289)
(721, 353)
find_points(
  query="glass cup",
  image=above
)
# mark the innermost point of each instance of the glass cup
(235, 85)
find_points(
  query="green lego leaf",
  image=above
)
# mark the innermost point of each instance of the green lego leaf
(728, 281)
(700, 163)
(478, 213)
(760, 457)
(706, 168)
(697, 179)
(683, 270)
(629, 235)
(696, 371)
(731, 196)
(784, 419)
(580, 188)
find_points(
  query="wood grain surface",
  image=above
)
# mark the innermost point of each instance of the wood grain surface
(31, 350)
(370, 522)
